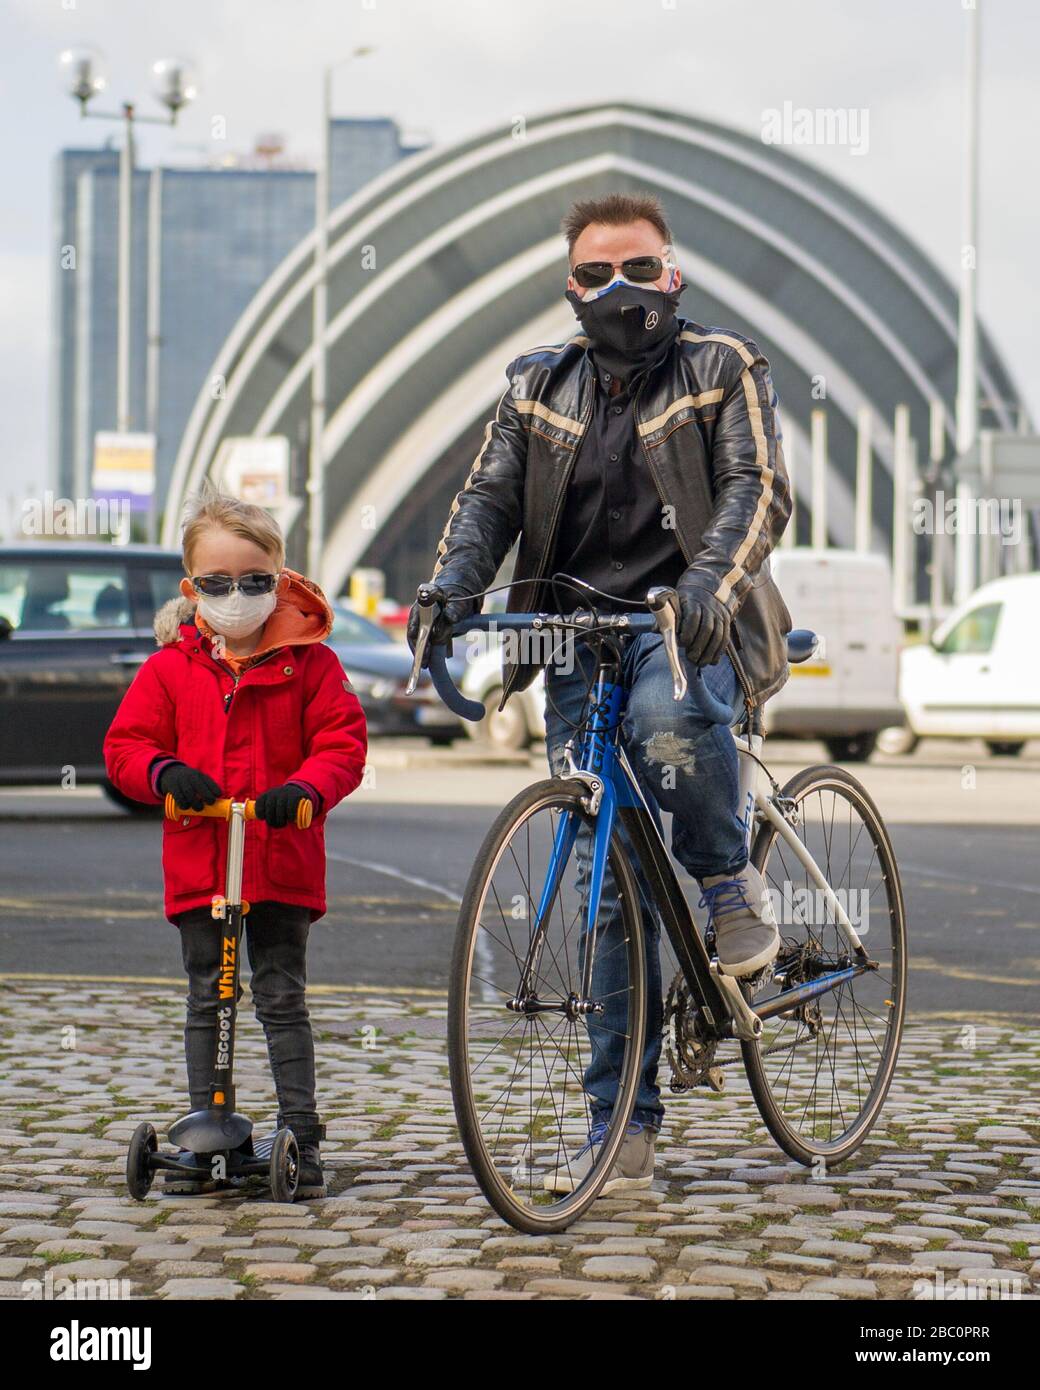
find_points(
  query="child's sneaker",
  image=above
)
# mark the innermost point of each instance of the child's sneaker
(312, 1179)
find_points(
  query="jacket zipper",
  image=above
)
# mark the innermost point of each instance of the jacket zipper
(228, 697)
(231, 693)
(655, 476)
(735, 631)
(553, 522)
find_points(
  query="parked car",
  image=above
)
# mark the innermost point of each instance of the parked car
(523, 719)
(849, 690)
(75, 624)
(979, 676)
(378, 667)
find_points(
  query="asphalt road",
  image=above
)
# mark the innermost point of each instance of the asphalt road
(80, 893)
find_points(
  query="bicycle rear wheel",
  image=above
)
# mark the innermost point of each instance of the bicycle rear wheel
(821, 1071)
(539, 1047)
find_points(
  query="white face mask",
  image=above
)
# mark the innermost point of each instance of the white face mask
(237, 614)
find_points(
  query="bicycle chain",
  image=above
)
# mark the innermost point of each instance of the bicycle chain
(781, 1047)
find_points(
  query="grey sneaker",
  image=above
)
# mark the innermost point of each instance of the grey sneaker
(740, 910)
(633, 1168)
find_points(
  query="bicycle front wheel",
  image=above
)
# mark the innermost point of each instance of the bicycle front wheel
(820, 1072)
(546, 1019)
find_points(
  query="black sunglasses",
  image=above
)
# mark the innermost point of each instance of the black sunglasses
(593, 275)
(219, 585)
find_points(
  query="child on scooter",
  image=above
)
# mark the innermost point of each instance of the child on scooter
(244, 700)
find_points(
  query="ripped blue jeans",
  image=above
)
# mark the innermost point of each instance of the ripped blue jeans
(684, 765)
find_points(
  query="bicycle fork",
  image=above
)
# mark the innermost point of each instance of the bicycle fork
(597, 774)
(580, 1003)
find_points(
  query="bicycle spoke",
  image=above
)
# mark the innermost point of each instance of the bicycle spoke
(827, 1064)
(534, 1043)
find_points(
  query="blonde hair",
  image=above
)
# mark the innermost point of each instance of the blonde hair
(211, 509)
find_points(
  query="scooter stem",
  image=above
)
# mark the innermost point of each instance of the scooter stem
(222, 1089)
(219, 1127)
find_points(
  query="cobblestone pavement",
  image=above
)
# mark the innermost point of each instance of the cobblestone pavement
(947, 1188)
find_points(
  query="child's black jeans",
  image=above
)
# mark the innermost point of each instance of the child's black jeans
(276, 938)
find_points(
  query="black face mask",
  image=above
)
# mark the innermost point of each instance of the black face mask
(629, 328)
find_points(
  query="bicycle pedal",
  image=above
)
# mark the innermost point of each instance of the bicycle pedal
(751, 985)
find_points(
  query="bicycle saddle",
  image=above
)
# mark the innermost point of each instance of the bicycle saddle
(801, 643)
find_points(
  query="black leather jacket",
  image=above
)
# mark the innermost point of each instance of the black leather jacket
(706, 418)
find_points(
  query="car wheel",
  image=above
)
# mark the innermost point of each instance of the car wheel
(443, 740)
(853, 748)
(897, 741)
(505, 730)
(145, 809)
(1004, 748)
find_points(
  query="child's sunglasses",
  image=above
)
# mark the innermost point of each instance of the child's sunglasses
(593, 275)
(219, 585)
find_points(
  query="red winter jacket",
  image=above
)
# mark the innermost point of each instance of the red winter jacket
(291, 717)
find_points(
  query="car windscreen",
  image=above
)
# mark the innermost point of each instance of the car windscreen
(54, 595)
(351, 627)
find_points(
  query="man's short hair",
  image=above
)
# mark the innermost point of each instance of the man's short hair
(616, 210)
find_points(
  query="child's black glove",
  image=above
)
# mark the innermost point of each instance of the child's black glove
(190, 788)
(278, 806)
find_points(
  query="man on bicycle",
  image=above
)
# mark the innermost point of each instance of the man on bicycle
(645, 450)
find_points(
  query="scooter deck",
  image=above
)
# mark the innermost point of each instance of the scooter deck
(237, 1165)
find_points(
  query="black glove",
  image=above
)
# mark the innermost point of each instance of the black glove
(454, 607)
(190, 788)
(278, 806)
(704, 624)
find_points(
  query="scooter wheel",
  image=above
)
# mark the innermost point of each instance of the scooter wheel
(139, 1170)
(285, 1166)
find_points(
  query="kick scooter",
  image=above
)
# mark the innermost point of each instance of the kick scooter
(218, 1135)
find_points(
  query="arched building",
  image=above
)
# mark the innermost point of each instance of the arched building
(449, 264)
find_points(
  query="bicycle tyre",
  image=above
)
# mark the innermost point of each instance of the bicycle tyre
(802, 1148)
(564, 795)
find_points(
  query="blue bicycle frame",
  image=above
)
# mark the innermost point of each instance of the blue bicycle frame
(615, 799)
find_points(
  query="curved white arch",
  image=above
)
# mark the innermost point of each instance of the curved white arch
(429, 436)
(446, 234)
(419, 175)
(442, 168)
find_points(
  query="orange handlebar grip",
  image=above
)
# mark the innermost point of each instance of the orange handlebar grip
(221, 809)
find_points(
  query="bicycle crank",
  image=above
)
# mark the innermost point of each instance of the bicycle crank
(689, 1048)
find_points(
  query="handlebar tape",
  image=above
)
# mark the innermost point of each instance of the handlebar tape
(447, 689)
(709, 705)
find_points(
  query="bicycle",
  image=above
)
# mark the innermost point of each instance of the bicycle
(556, 978)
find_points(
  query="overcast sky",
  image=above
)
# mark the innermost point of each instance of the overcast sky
(446, 68)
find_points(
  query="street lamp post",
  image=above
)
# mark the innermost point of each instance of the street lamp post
(967, 327)
(126, 224)
(174, 90)
(320, 311)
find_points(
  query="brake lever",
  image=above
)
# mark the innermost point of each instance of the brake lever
(664, 605)
(428, 600)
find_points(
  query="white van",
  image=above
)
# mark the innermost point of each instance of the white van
(850, 689)
(979, 676)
